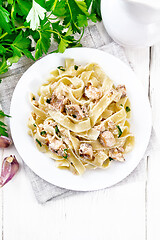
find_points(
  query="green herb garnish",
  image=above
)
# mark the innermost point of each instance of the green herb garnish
(65, 152)
(3, 129)
(56, 129)
(43, 132)
(42, 20)
(110, 159)
(0, 80)
(74, 116)
(119, 131)
(48, 100)
(40, 144)
(75, 67)
(61, 68)
(34, 125)
(2, 114)
(121, 105)
(33, 98)
(128, 109)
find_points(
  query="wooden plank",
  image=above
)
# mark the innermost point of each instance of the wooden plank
(153, 208)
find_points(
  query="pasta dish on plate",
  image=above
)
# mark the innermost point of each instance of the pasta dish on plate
(80, 118)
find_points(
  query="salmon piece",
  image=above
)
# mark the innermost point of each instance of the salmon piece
(92, 93)
(86, 151)
(75, 111)
(122, 89)
(117, 154)
(57, 103)
(57, 147)
(107, 139)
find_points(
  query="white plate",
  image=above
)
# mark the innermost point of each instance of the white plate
(44, 166)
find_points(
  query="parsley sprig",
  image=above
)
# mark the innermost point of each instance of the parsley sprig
(119, 131)
(24, 24)
(3, 129)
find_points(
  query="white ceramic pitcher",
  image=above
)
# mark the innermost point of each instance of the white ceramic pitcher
(132, 22)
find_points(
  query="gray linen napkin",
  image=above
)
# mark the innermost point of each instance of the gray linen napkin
(94, 37)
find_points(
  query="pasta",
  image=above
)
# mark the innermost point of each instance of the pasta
(80, 118)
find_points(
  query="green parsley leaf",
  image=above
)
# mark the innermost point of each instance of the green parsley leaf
(128, 109)
(119, 131)
(56, 129)
(74, 116)
(35, 14)
(44, 41)
(96, 9)
(61, 68)
(3, 130)
(40, 144)
(34, 125)
(75, 67)
(43, 133)
(121, 105)
(2, 114)
(3, 66)
(5, 20)
(0, 80)
(48, 100)
(82, 20)
(110, 159)
(65, 152)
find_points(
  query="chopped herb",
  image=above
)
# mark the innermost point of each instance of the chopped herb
(74, 116)
(56, 129)
(75, 67)
(43, 132)
(40, 144)
(110, 159)
(34, 125)
(0, 80)
(2, 114)
(65, 152)
(3, 130)
(121, 105)
(33, 98)
(48, 100)
(128, 109)
(61, 68)
(119, 131)
(71, 163)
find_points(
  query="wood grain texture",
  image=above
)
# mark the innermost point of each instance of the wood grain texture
(153, 208)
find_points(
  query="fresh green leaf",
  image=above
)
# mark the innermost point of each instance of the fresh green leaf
(82, 20)
(82, 5)
(3, 130)
(110, 159)
(34, 125)
(5, 20)
(2, 114)
(39, 143)
(121, 105)
(74, 116)
(56, 129)
(65, 152)
(62, 46)
(48, 100)
(59, 8)
(96, 8)
(75, 67)
(44, 41)
(43, 133)
(119, 131)
(128, 109)
(61, 68)
(3, 66)
(35, 14)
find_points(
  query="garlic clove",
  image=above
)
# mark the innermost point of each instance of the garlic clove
(10, 167)
(5, 142)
